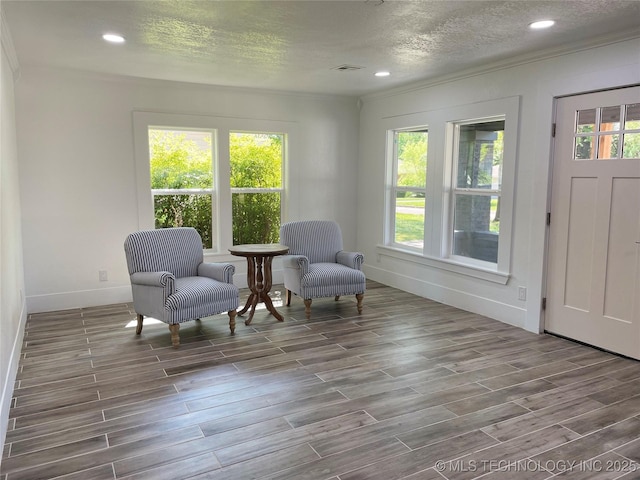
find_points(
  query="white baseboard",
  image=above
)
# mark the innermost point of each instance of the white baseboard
(79, 299)
(106, 296)
(14, 361)
(456, 298)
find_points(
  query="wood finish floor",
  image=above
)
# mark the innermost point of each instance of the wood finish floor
(410, 389)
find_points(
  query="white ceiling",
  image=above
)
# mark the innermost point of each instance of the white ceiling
(294, 45)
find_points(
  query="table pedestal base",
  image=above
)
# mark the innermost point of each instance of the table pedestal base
(260, 286)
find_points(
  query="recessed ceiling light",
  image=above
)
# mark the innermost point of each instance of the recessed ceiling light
(113, 38)
(541, 24)
(382, 74)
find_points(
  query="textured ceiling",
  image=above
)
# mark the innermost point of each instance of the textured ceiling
(294, 45)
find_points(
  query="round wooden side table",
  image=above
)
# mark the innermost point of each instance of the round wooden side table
(259, 282)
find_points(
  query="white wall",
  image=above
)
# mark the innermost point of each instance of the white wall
(12, 303)
(536, 83)
(77, 171)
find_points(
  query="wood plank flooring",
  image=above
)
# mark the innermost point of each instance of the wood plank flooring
(410, 389)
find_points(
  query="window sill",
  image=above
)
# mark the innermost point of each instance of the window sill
(449, 265)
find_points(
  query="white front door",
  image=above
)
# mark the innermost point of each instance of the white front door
(593, 271)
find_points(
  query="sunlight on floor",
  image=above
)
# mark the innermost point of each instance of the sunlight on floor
(147, 321)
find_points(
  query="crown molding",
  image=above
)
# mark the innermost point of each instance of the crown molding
(534, 57)
(7, 45)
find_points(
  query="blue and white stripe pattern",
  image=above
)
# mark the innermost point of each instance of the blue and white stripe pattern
(175, 250)
(329, 271)
(169, 280)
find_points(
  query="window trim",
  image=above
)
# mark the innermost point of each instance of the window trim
(281, 190)
(393, 188)
(213, 191)
(436, 252)
(221, 126)
(455, 191)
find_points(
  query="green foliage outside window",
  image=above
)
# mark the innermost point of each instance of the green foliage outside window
(182, 161)
(256, 162)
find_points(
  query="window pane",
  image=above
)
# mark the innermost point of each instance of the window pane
(480, 150)
(632, 116)
(631, 148)
(256, 218)
(586, 121)
(185, 210)
(409, 219)
(412, 158)
(180, 159)
(610, 119)
(584, 148)
(476, 227)
(608, 146)
(256, 160)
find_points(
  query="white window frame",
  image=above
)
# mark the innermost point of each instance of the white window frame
(458, 191)
(221, 126)
(393, 189)
(280, 190)
(439, 206)
(197, 191)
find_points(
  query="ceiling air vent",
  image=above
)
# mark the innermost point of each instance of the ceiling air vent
(347, 68)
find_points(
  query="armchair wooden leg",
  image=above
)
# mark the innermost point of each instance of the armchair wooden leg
(359, 297)
(307, 307)
(232, 321)
(139, 327)
(175, 336)
(288, 297)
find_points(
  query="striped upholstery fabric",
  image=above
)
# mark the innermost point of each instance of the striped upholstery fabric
(318, 240)
(169, 280)
(175, 250)
(316, 265)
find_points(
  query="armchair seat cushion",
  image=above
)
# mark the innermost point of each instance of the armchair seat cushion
(329, 279)
(190, 291)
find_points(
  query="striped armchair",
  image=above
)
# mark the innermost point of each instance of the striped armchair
(317, 266)
(171, 283)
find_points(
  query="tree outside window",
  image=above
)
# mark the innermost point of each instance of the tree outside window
(256, 186)
(182, 176)
(182, 183)
(409, 189)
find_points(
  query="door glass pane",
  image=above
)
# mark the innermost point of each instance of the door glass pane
(256, 217)
(409, 219)
(632, 117)
(608, 146)
(584, 148)
(480, 148)
(631, 147)
(586, 121)
(610, 119)
(477, 227)
(185, 210)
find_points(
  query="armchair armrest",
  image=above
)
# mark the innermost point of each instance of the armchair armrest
(350, 259)
(223, 272)
(152, 279)
(164, 280)
(297, 262)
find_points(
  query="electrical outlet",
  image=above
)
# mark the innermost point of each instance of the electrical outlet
(522, 293)
(103, 276)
